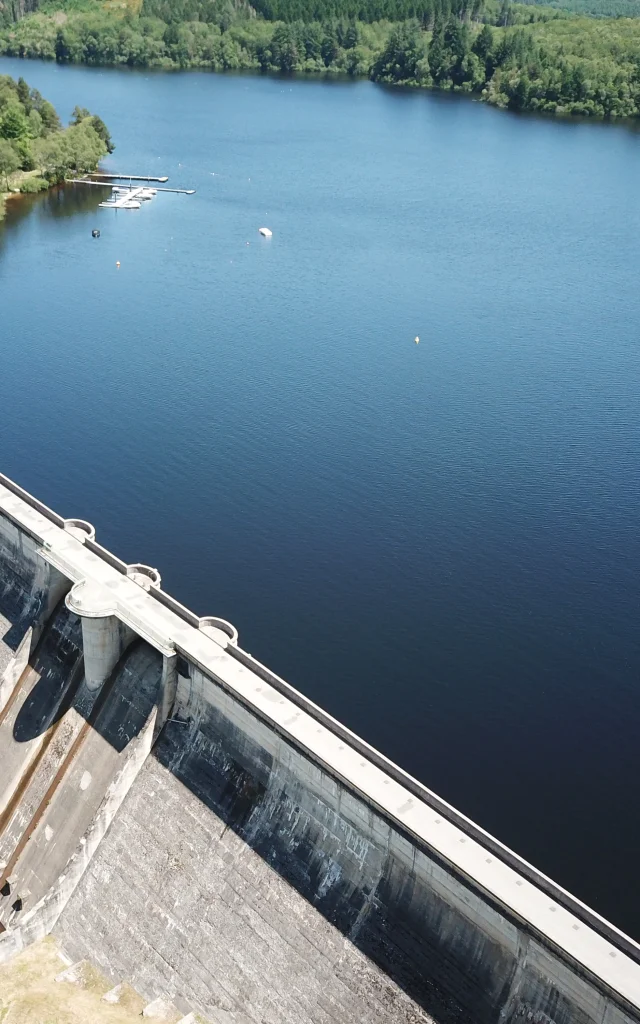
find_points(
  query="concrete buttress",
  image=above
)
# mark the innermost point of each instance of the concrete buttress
(104, 638)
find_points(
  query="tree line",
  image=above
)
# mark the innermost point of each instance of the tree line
(596, 8)
(520, 56)
(32, 138)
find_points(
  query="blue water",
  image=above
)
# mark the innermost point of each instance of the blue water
(439, 543)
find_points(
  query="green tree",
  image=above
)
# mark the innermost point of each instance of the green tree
(24, 95)
(400, 61)
(505, 16)
(79, 114)
(13, 123)
(351, 37)
(456, 45)
(329, 48)
(102, 131)
(437, 55)
(483, 44)
(50, 119)
(284, 48)
(9, 160)
(52, 156)
(312, 39)
(35, 125)
(520, 93)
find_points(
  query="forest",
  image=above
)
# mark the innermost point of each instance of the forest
(598, 8)
(35, 150)
(522, 56)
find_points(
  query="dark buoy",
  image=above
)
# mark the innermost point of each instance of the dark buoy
(95, 233)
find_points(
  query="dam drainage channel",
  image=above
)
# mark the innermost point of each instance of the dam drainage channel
(12, 887)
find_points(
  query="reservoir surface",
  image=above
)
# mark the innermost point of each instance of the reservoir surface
(438, 543)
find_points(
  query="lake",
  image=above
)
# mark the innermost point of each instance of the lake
(439, 543)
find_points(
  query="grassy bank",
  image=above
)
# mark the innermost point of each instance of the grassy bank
(22, 183)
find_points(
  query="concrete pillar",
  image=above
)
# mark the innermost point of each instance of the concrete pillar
(58, 587)
(168, 688)
(103, 638)
(102, 646)
(55, 583)
(50, 586)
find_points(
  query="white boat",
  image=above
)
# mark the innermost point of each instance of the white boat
(129, 204)
(265, 232)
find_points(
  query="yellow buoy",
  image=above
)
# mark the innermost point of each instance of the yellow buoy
(417, 340)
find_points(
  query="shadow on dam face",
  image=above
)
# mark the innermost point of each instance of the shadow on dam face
(118, 711)
(301, 842)
(15, 614)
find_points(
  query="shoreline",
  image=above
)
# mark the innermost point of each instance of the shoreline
(16, 193)
(561, 115)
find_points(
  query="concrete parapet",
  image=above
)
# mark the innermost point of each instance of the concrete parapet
(80, 529)
(219, 630)
(144, 575)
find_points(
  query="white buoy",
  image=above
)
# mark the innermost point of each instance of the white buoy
(417, 340)
(265, 232)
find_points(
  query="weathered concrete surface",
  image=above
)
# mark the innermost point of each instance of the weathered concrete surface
(275, 896)
(41, 837)
(193, 911)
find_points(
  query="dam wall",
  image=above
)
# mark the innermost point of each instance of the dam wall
(263, 864)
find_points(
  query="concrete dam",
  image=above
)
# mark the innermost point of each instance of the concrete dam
(177, 815)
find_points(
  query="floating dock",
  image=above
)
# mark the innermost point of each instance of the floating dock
(105, 184)
(124, 201)
(127, 177)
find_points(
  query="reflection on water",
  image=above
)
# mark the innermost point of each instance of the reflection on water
(61, 201)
